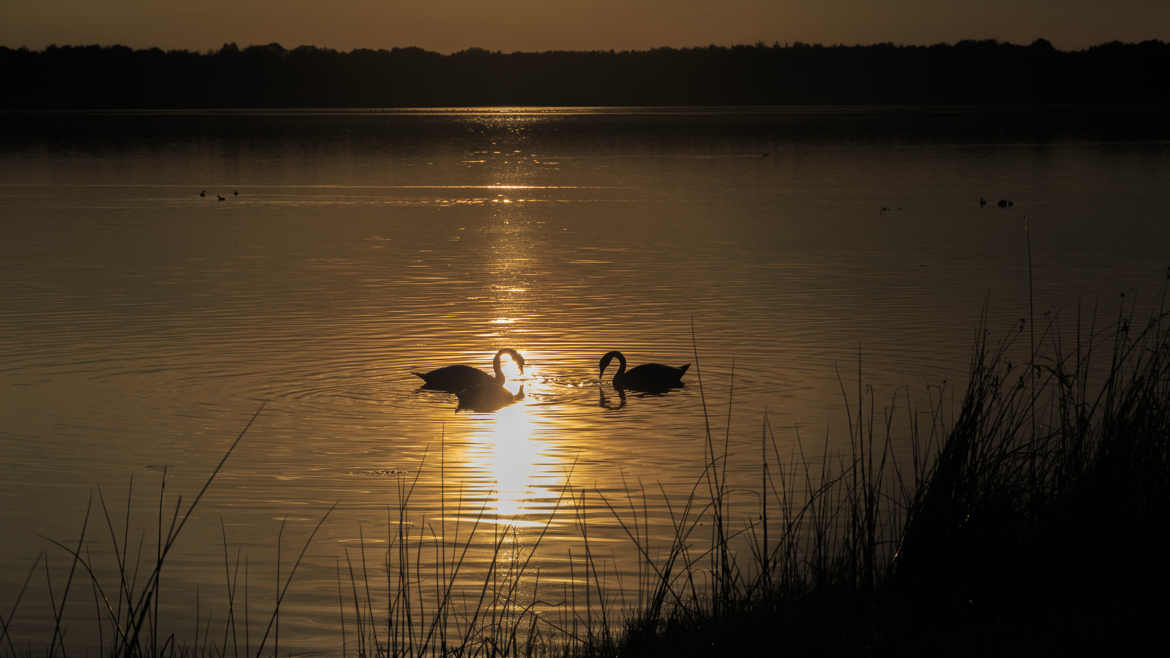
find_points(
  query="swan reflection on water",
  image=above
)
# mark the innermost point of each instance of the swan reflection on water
(604, 402)
(486, 398)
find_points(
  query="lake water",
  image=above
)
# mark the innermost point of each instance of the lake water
(143, 324)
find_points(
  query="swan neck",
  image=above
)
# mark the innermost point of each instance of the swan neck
(498, 369)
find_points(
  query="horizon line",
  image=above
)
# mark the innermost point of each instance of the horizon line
(795, 44)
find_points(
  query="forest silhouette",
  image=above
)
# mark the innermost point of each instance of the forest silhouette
(270, 76)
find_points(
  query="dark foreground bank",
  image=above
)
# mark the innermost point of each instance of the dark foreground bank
(1030, 523)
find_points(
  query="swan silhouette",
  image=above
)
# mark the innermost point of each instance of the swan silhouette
(648, 377)
(486, 398)
(459, 377)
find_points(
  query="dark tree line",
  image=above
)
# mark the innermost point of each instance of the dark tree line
(968, 72)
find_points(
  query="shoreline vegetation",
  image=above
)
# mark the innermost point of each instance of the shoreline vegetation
(1024, 516)
(984, 72)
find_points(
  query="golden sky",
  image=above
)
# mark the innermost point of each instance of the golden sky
(535, 25)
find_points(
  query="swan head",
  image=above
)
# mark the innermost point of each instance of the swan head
(609, 356)
(516, 356)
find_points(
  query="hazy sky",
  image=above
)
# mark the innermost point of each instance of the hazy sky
(532, 25)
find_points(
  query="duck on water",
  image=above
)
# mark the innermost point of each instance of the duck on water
(454, 379)
(647, 378)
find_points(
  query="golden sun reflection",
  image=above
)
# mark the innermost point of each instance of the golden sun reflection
(509, 450)
(510, 456)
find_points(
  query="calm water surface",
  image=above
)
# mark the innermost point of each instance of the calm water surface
(142, 325)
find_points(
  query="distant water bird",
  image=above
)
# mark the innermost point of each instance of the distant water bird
(648, 377)
(235, 193)
(1005, 203)
(219, 197)
(459, 377)
(486, 398)
(202, 193)
(982, 202)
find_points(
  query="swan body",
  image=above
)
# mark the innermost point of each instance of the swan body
(486, 398)
(648, 377)
(459, 377)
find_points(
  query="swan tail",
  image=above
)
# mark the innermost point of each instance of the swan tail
(683, 370)
(420, 376)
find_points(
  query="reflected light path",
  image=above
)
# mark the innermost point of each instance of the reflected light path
(509, 454)
(506, 447)
(515, 457)
(521, 472)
